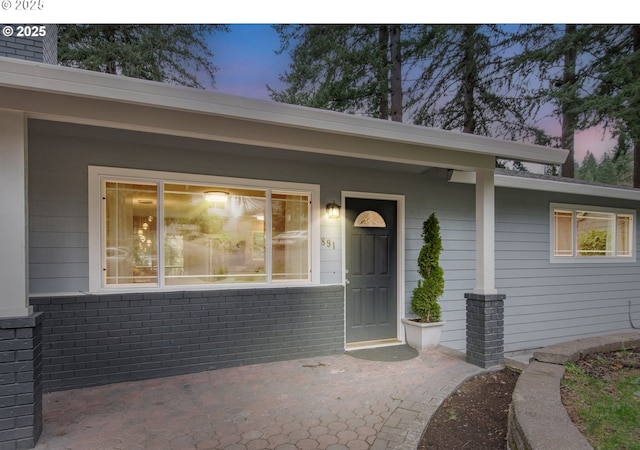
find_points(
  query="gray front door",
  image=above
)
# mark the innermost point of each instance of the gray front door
(371, 263)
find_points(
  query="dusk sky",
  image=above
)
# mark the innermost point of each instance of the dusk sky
(247, 60)
(247, 63)
(246, 55)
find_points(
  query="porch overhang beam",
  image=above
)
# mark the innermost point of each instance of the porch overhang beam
(207, 126)
(399, 142)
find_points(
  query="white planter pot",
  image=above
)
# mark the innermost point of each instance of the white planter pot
(422, 336)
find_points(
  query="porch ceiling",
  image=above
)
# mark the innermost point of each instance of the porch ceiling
(67, 95)
(48, 127)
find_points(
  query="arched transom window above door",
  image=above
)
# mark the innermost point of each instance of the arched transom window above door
(369, 219)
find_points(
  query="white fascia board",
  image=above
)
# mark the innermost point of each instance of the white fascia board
(535, 184)
(74, 82)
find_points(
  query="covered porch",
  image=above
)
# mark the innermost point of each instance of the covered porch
(35, 95)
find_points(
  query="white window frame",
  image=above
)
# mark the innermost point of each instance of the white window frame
(575, 258)
(97, 174)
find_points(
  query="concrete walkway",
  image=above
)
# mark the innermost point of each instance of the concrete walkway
(333, 402)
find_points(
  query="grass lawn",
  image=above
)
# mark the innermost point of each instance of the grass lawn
(602, 395)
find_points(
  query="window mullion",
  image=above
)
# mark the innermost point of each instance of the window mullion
(615, 235)
(574, 233)
(311, 238)
(268, 231)
(160, 235)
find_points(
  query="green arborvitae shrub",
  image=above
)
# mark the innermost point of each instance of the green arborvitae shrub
(424, 301)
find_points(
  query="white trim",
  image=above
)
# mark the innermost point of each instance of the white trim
(29, 76)
(14, 233)
(535, 184)
(589, 259)
(485, 233)
(96, 213)
(400, 264)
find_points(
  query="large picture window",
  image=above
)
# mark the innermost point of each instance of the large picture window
(592, 234)
(159, 231)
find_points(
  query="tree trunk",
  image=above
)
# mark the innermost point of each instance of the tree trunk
(396, 74)
(635, 32)
(469, 80)
(383, 73)
(568, 116)
(111, 65)
(636, 164)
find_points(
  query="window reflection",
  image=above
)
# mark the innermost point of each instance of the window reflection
(131, 233)
(178, 234)
(213, 235)
(290, 242)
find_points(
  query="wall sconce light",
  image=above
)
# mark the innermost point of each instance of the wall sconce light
(216, 196)
(333, 210)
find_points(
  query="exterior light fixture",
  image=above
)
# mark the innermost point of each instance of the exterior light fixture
(216, 196)
(333, 210)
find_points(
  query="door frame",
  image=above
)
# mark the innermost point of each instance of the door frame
(400, 251)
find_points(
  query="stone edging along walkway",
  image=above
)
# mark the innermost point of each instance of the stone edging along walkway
(537, 418)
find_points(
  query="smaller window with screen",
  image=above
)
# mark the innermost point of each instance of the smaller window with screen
(591, 234)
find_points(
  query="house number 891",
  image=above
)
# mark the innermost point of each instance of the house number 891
(328, 243)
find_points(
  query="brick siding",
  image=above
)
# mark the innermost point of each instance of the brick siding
(91, 340)
(485, 329)
(31, 48)
(20, 382)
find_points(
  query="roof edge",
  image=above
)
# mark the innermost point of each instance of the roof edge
(551, 185)
(34, 76)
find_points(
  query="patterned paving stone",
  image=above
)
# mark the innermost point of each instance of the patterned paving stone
(343, 403)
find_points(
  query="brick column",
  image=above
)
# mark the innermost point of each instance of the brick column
(20, 381)
(485, 329)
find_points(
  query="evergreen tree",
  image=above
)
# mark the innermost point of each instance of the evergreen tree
(616, 101)
(561, 59)
(610, 169)
(464, 83)
(484, 79)
(589, 167)
(358, 68)
(176, 54)
(349, 68)
(569, 85)
(424, 300)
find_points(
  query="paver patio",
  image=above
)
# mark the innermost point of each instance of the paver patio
(333, 402)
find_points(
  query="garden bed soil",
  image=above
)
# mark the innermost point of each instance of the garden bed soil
(474, 417)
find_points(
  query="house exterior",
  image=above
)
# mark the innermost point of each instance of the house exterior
(152, 230)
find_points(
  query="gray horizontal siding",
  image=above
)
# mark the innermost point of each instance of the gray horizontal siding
(454, 207)
(42, 238)
(59, 270)
(548, 303)
(58, 204)
(59, 255)
(59, 238)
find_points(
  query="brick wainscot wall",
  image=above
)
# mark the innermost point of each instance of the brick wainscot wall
(90, 340)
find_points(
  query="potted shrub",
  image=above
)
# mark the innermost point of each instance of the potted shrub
(423, 331)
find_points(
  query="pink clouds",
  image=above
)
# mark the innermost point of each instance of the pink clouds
(596, 140)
